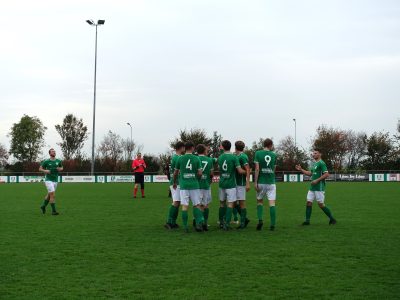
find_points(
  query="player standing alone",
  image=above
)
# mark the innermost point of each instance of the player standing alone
(138, 167)
(264, 182)
(51, 167)
(319, 172)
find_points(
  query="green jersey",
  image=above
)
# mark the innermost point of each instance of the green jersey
(266, 161)
(172, 168)
(188, 166)
(243, 160)
(52, 165)
(207, 164)
(318, 169)
(227, 162)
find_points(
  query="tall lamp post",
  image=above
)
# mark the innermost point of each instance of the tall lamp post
(295, 133)
(129, 124)
(130, 146)
(91, 23)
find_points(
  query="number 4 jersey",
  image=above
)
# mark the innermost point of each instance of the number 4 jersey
(266, 161)
(188, 166)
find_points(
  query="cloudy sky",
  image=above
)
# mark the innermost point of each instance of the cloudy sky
(245, 68)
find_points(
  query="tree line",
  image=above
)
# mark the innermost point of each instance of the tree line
(342, 150)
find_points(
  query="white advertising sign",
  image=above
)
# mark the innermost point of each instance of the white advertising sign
(160, 178)
(78, 179)
(31, 178)
(3, 179)
(121, 178)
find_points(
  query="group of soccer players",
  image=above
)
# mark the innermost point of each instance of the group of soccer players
(191, 177)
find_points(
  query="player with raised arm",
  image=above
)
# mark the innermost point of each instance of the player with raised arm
(264, 182)
(243, 183)
(189, 169)
(205, 181)
(173, 211)
(319, 173)
(228, 166)
(51, 167)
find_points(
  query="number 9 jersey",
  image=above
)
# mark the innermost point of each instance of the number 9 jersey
(267, 162)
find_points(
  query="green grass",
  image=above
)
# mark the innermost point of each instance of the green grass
(107, 245)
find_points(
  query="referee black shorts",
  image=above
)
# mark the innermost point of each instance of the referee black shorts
(139, 178)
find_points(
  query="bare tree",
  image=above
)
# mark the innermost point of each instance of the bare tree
(128, 148)
(111, 147)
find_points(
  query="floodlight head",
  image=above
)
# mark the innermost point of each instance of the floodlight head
(100, 22)
(128, 124)
(90, 22)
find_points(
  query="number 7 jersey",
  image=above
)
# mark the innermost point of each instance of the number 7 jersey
(266, 161)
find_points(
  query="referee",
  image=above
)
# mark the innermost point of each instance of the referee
(138, 167)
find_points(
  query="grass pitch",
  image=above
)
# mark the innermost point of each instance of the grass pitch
(104, 244)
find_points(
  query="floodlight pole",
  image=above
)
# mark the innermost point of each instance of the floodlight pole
(129, 124)
(90, 22)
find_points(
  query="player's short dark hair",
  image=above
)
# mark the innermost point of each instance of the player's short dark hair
(239, 145)
(268, 143)
(50, 149)
(318, 150)
(179, 145)
(226, 145)
(201, 149)
(189, 145)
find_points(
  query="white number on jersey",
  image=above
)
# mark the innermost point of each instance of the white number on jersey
(267, 159)
(205, 163)
(225, 166)
(189, 165)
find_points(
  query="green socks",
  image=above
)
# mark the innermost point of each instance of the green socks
(53, 207)
(327, 211)
(171, 213)
(222, 212)
(185, 218)
(272, 213)
(228, 215)
(308, 213)
(206, 213)
(260, 209)
(243, 215)
(198, 215)
(45, 203)
(235, 214)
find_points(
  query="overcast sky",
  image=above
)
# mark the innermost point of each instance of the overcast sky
(245, 68)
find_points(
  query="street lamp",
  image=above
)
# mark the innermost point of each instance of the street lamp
(295, 133)
(91, 23)
(129, 124)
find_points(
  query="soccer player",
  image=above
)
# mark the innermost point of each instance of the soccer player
(264, 182)
(243, 183)
(228, 166)
(51, 167)
(138, 167)
(319, 172)
(190, 170)
(175, 193)
(205, 181)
